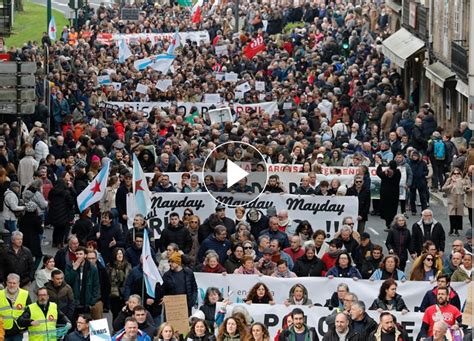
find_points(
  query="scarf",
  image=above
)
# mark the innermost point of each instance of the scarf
(217, 270)
(285, 274)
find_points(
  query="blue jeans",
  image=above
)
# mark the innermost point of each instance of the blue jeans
(10, 225)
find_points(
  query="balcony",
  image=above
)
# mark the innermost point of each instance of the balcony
(459, 58)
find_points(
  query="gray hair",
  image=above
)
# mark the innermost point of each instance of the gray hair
(345, 228)
(360, 305)
(137, 297)
(13, 276)
(16, 234)
(211, 254)
(398, 216)
(343, 285)
(345, 219)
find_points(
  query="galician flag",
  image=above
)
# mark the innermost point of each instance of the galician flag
(124, 51)
(52, 29)
(96, 189)
(140, 189)
(176, 42)
(150, 270)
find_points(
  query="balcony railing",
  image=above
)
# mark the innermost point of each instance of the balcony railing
(459, 58)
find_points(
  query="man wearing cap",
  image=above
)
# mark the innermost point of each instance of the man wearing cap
(11, 206)
(180, 280)
(218, 218)
(468, 243)
(265, 264)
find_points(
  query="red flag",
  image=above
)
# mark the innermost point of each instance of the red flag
(256, 46)
(197, 15)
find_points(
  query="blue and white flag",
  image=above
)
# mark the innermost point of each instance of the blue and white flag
(150, 270)
(175, 43)
(96, 189)
(140, 189)
(52, 29)
(160, 63)
(124, 51)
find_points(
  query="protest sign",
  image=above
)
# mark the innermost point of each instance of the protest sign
(322, 212)
(220, 115)
(320, 289)
(142, 88)
(176, 310)
(99, 330)
(164, 84)
(202, 107)
(212, 98)
(272, 317)
(194, 36)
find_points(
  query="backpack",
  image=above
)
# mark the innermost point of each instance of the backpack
(439, 150)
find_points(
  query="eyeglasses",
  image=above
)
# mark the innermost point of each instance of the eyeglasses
(456, 173)
(359, 182)
(194, 222)
(187, 214)
(350, 224)
(429, 259)
(248, 248)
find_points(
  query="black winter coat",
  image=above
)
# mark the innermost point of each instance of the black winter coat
(399, 240)
(389, 192)
(331, 335)
(438, 236)
(169, 286)
(207, 228)
(31, 226)
(121, 201)
(61, 205)
(368, 267)
(107, 234)
(419, 171)
(382, 304)
(83, 229)
(419, 142)
(20, 263)
(308, 268)
(364, 201)
(179, 235)
(369, 326)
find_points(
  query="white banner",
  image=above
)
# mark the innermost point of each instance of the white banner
(320, 289)
(327, 211)
(195, 36)
(202, 107)
(272, 317)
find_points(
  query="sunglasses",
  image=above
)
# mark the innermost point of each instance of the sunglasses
(248, 248)
(187, 213)
(359, 182)
(194, 222)
(456, 173)
(429, 259)
(350, 224)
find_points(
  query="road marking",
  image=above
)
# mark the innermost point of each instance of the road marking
(375, 232)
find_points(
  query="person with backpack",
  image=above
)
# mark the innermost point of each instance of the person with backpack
(437, 153)
(12, 209)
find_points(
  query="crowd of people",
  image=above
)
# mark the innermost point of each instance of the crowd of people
(340, 103)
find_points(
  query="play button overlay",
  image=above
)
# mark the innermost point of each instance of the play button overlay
(235, 174)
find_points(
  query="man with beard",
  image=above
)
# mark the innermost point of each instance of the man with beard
(341, 330)
(215, 219)
(441, 311)
(388, 330)
(273, 185)
(299, 330)
(428, 229)
(176, 233)
(430, 298)
(42, 317)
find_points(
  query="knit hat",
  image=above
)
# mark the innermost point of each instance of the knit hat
(95, 158)
(175, 258)
(14, 184)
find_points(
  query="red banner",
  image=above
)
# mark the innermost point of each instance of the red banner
(256, 46)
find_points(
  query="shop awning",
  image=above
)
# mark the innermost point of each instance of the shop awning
(462, 88)
(438, 73)
(400, 46)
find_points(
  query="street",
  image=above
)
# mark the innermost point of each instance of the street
(62, 5)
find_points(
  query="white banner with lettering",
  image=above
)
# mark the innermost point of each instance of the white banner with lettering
(272, 317)
(322, 212)
(320, 289)
(194, 36)
(202, 107)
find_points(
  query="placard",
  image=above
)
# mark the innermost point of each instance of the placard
(212, 98)
(220, 115)
(164, 84)
(244, 87)
(176, 309)
(99, 330)
(142, 88)
(222, 50)
(259, 86)
(231, 77)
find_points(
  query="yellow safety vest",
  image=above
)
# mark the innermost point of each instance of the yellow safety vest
(46, 330)
(11, 313)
